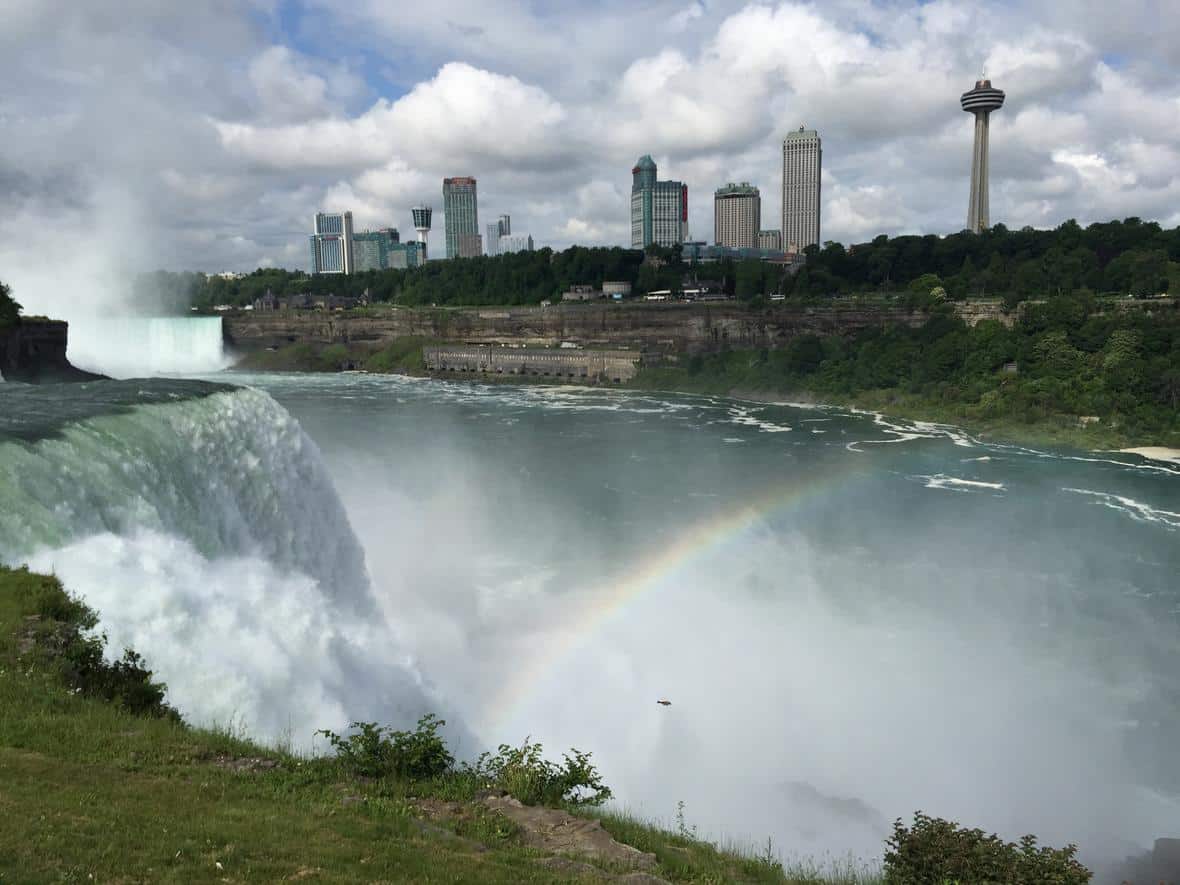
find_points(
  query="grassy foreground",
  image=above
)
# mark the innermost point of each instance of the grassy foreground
(90, 792)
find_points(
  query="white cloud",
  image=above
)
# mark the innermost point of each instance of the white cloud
(218, 126)
(289, 88)
(462, 115)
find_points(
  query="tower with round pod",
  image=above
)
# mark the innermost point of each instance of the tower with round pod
(980, 101)
(422, 224)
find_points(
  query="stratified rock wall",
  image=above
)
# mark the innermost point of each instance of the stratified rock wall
(34, 351)
(666, 328)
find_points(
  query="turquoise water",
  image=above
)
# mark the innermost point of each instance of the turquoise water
(853, 618)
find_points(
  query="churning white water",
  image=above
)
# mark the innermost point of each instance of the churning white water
(208, 535)
(135, 347)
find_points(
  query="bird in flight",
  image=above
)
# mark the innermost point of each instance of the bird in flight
(664, 703)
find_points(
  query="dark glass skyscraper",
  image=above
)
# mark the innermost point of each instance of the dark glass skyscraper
(461, 216)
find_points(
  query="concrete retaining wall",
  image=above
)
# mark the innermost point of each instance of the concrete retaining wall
(587, 365)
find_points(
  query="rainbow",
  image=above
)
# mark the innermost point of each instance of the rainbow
(608, 601)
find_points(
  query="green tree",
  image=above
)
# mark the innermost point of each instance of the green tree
(748, 279)
(1056, 357)
(925, 284)
(9, 309)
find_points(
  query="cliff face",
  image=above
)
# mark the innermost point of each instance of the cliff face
(665, 328)
(34, 351)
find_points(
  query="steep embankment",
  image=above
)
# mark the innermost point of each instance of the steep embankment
(34, 351)
(662, 328)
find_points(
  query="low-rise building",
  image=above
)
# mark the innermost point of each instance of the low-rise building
(581, 293)
(570, 363)
(616, 289)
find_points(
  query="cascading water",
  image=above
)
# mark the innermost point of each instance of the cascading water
(126, 347)
(206, 532)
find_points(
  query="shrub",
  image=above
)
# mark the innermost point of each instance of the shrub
(9, 309)
(524, 773)
(940, 851)
(372, 751)
(79, 656)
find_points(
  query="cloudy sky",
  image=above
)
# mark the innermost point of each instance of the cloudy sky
(205, 135)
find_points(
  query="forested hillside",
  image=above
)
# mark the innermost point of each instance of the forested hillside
(1067, 357)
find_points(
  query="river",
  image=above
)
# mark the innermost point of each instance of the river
(853, 618)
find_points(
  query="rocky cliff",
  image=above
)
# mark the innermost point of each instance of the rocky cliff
(34, 351)
(660, 328)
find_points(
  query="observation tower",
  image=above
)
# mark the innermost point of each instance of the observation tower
(422, 224)
(980, 101)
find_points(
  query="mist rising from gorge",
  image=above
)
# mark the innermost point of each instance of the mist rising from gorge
(837, 663)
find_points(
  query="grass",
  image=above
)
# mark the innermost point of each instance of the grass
(90, 792)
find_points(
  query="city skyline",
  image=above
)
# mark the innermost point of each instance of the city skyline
(266, 113)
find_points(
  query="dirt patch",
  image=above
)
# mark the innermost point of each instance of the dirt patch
(557, 832)
(550, 829)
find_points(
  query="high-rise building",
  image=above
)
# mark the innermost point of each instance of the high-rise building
(659, 209)
(510, 243)
(421, 216)
(470, 246)
(737, 214)
(331, 244)
(404, 255)
(370, 249)
(802, 159)
(501, 228)
(462, 216)
(980, 101)
(770, 239)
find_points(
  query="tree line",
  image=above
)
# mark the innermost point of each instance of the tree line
(1129, 257)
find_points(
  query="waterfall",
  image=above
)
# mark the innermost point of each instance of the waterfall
(206, 532)
(126, 347)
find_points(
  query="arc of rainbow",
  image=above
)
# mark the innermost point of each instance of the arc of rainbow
(605, 602)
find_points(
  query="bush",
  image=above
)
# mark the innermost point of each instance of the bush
(79, 657)
(524, 773)
(381, 752)
(939, 851)
(9, 309)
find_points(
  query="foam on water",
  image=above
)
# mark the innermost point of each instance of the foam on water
(942, 481)
(1137, 510)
